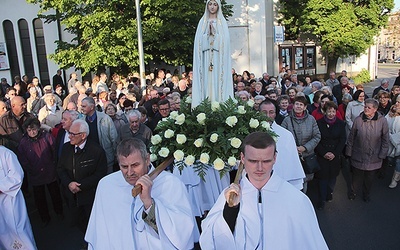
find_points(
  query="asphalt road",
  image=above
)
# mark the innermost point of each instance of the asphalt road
(345, 224)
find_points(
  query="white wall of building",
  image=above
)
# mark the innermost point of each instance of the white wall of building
(20, 9)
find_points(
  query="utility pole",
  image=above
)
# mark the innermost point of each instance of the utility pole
(140, 47)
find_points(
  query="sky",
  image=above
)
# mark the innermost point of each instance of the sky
(396, 4)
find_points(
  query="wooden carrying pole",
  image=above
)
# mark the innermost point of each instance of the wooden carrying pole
(137, 189)
(232, 196)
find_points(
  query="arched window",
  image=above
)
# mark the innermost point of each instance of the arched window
(26, 48)
(41, 52)
(11, 48)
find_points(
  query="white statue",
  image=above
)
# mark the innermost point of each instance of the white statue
(212, 76)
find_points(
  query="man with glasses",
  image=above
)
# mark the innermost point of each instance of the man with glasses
(80, 167)
(164, 108)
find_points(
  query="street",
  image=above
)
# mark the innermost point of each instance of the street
(345, 224)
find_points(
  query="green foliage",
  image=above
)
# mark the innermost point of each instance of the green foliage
(362, 77)
(106, 31)
(209, 123)
(341, 27)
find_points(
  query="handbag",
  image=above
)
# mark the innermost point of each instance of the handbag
(309, 163)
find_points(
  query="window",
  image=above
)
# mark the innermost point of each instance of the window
(11, 48)
(298, 57)
(26, 48)
(41, 52)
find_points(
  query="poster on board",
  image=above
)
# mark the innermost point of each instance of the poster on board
(4, 64)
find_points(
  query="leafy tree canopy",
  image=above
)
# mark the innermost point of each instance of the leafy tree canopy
(341, 27)
(106, 31)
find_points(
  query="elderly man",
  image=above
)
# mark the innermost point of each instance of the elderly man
(11, 122)
(80, 167)
(102, 85)
(15, 228)
(68, 116)
(332, 81)
(267, 212)
(342, 88)
(287, 163)
(159, 218)
(136, 129)
(384, 87)
(102, 129)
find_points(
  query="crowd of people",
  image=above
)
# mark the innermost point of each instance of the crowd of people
(67, 137)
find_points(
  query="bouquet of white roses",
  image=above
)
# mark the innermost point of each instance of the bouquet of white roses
(210, 134)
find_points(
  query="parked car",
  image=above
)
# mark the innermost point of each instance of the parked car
(383, 60)
(397, 60)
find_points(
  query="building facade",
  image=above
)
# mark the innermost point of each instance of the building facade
(389, 39)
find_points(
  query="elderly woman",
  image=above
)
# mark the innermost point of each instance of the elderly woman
(367, 146)
(258, 99)
(305, 131)
(50, 115)
(258, 89)
(342, 107)
(37, 156)
(118, 119)
(354, 108)
(329, 151)
(393, 119)
(243, 95)
(383, 98)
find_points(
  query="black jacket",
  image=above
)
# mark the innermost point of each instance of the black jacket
(86, 168)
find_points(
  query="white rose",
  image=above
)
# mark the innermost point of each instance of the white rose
(265, 125)
(250, 103)
(164, 152)
(181, 138)
(173, 114)
(254, 123)
(189, 99)
(215, 106)
(153, 157)
(231, 121)
(201, 118)
(178, 155)
(189, 160)
(204, 158)
(214, 138)
(235, 142)
(241, 110)
(219, 164)
(198, 142)
(180, 119)
(232, 161)
(155, 139)
(169, 133)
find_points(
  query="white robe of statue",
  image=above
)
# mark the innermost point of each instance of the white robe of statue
(284, 220)
(15, 228)
(212, 71)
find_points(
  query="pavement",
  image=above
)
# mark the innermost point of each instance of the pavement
(345, 224)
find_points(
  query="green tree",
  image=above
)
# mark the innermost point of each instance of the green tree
(341, 27)
(106, 31)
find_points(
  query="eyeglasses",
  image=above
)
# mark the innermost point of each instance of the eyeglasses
(75, 134)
